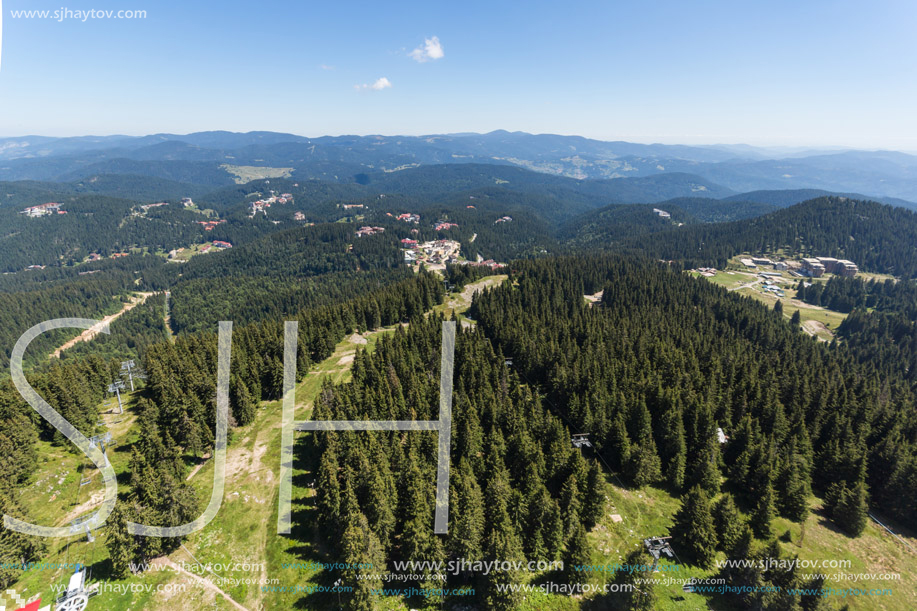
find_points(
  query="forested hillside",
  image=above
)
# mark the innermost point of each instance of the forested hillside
(176, 417)
(881, 329)
(518, 489)
(87, 297)
(666, 359)
(685, 389)
(877, 237)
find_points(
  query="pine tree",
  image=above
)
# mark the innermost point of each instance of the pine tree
(121, 545)
(593, 505)
(763, 514)
(729, 523)
(851, 509)
(577, 555)
(694, 531)
(793, 491)
(642, 595)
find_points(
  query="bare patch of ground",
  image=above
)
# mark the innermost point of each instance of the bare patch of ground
(594, 299)
(816, 328)
(206, 583)
(90, 333)
(94, 501)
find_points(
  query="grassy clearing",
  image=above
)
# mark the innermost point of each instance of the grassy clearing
(183, 255)
(728, 278)
(246, 173)
(650, 511)
(818, 321)
(459, 302)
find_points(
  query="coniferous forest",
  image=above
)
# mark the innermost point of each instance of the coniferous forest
(713, 398)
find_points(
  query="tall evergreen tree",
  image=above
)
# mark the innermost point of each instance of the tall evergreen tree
(763, 514)
(577, 556)
(694, 531)
(122, 547)
(729, 523)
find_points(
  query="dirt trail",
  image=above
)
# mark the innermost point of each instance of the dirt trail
(744, 286)
(94, 502)
(209, 585)
(167, 319)
(814, 327)
(90, 333)
(462, 301)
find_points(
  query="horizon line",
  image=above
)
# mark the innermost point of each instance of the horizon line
(624, 139)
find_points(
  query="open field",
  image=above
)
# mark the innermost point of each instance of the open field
(247, 173)
(183, 255)
(817, 321)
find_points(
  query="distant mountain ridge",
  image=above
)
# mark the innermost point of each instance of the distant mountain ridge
(739, 168)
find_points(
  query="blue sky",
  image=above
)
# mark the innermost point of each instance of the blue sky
(796, 73)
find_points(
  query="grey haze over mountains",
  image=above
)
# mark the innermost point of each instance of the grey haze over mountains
(681, 171)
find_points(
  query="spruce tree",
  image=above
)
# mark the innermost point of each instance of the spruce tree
(593, 505)
(120, 544)
(642, 596)
(576, 556)
(466, 529)
(793, 491)
(329, 493)
(360, 547)
(675, 471)
(705, 471)
(729, 523)
(763, 514)
(502, 542)
(851, 509)
(694, 531)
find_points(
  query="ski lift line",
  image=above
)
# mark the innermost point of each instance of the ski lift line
(199, 563)
(891, 532)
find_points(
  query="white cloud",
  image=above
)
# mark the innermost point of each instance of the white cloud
(379, 85)
(326, 67)
(431, 49)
